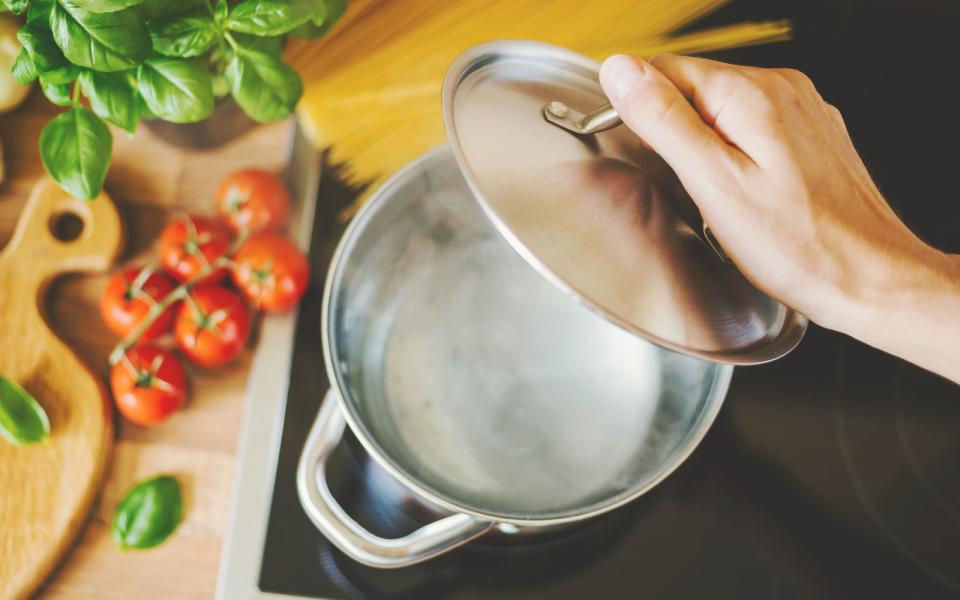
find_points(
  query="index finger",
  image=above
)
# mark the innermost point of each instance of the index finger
(727, 97)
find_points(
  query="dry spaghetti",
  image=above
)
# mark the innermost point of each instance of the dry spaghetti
(372, 88)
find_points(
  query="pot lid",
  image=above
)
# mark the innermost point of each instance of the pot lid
(597, 214)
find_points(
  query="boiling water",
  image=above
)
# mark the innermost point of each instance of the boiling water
(481, 380)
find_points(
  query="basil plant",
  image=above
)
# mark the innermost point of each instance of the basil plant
(154, 59)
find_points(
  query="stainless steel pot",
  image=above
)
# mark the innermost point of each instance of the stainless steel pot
(486, 391)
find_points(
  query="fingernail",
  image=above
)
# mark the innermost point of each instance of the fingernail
(618, 75)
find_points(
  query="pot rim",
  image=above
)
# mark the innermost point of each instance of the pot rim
(702, 425)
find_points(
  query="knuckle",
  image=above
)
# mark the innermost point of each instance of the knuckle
(635, 105)
(746, 91)
(661, 60)
(797, 79)
(653, 106)
(794, 76)
(730, 83)
(759, 95)
(834, 113)
(765, 107)
(763, 78)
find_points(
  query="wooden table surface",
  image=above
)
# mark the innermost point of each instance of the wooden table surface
(149, 181)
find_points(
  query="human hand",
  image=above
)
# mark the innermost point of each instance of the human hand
(776, 176)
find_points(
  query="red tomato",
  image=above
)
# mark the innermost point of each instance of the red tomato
(129, 295)
(189, 244)
(148, 385)
(254, 199)
(213, 326)
(271, 271)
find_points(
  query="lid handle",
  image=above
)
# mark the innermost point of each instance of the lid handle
(602, 119)
(574, 121)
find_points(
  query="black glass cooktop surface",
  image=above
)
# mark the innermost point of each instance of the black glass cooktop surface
(832, 473)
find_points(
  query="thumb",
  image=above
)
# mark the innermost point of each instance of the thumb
(653, 108)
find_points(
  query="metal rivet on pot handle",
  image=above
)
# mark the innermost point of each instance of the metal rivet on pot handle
(348, 535)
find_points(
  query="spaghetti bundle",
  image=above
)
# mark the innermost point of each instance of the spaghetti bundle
(372, 87)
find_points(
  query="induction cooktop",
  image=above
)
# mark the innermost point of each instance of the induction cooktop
(831, 473)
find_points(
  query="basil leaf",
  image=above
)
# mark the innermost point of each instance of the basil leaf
(323, 21)
(37, 40)
(145, 112)
(48, 60)
(112, 98)
(266, 88)
(328, 10)
(272, 46)
(75, 148)
(221, 87)
(176, 90)
(61, 75)
(24, 71)
(39, 11)
(150, 9)
(188, 33)
(111, 41)
(22, 419)
(16, 6)
(154, 8)
(103, 6)
(220, 12)
(270, 17)
(58, 93)
(148, 514)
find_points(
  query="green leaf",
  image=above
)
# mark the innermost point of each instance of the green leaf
(22, 419)
(24, 71)
(318, 27)
(58, 93)
(176, 90)
(39, 12)
(61, 75)
(188, 33)
(221, 87)
(148, 514)
(270, 17)
(102, 6)
(272, 46)
(112, 98)
(75, 148)
(154, 8)
(220, 12)
(145, 112)
(111, 41)
(16, 6)
(37, 40)
(330, 13)
(266, 88)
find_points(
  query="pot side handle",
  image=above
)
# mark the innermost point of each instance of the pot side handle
(348, 535)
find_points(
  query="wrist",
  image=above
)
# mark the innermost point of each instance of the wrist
(926, 282)
(898, 283)
(909, 306)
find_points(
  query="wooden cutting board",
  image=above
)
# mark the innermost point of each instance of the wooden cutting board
(46, 489)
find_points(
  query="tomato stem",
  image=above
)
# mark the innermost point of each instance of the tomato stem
(135, 287)
(181, 292)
